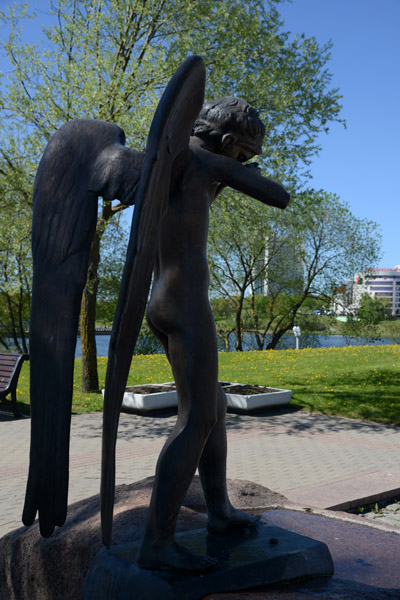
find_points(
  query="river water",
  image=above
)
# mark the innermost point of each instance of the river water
(288, 341)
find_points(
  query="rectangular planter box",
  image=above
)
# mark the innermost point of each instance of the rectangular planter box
(242, 402)
(238, 401)
(139, 401)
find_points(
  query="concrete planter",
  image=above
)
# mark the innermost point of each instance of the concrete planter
(144, 398)
(149, 397)
(239, 400)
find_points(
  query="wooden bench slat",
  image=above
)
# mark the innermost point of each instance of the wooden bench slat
(5, 374)
(8, 363)
(5, 377)
(8, 368)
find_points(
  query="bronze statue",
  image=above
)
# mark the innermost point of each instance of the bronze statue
(192, 153)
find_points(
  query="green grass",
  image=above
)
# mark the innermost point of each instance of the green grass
(145, 369)
(360, 382)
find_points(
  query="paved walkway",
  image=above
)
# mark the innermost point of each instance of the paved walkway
(314, 460)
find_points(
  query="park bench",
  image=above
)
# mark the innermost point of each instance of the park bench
(10, 367)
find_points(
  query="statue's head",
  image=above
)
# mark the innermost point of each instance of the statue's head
(230, 126)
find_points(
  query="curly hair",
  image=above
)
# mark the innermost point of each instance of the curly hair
(229, 114)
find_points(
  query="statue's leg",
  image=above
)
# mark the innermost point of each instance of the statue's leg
(194, 364)
(212, 468)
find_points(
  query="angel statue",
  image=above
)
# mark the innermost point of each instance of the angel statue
(193, 151)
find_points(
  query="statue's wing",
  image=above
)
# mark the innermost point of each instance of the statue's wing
(83, 160)
(169, 135)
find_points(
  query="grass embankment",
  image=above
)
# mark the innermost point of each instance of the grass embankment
(361, 382)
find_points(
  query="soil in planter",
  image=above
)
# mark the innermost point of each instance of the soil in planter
(147, 389)
(248, 390)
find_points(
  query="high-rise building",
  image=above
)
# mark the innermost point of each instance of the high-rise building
(285, 267)
(383, 283)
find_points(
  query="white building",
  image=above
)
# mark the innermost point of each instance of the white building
(384, 283)
(342, 302)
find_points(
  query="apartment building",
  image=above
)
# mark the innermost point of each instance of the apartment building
(384, 283)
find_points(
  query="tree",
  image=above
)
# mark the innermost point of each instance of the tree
(15, 280)
(242, 244)
(373, 310)
(302, 253)
(15, 259)
(109, 60)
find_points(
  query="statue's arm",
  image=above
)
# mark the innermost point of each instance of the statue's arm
(245, 179)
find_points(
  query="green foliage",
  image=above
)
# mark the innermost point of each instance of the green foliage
(390, 329)
(373, 310)
(320, 303)
(113, 252)
(147, 343)
(109, 59)
(15, 259)
(373, 320)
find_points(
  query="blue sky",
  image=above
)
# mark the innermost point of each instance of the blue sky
(359, 163)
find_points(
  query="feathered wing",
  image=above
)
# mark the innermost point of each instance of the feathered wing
(169, 135)
(83, 160)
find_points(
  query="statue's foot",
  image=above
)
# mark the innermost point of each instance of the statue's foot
(173, 558)
(232, 519)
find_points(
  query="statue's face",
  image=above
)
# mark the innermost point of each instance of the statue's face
(238, 149)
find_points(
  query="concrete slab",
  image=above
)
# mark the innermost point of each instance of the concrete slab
(262, 556)
(349, 492)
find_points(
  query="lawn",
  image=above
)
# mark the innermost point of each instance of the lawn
(360, 382)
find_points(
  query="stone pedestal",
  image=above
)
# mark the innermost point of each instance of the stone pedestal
(246, 559)
(34, 568)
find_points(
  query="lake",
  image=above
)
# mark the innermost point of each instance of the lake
(288, 341)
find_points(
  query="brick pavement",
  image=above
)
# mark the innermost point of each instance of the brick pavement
(314, 460)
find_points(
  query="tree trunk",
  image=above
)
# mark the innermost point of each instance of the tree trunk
(224, 336)
(239, 328)
(278, 333)
(259, 338)
(90, 378)
(276, 336)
